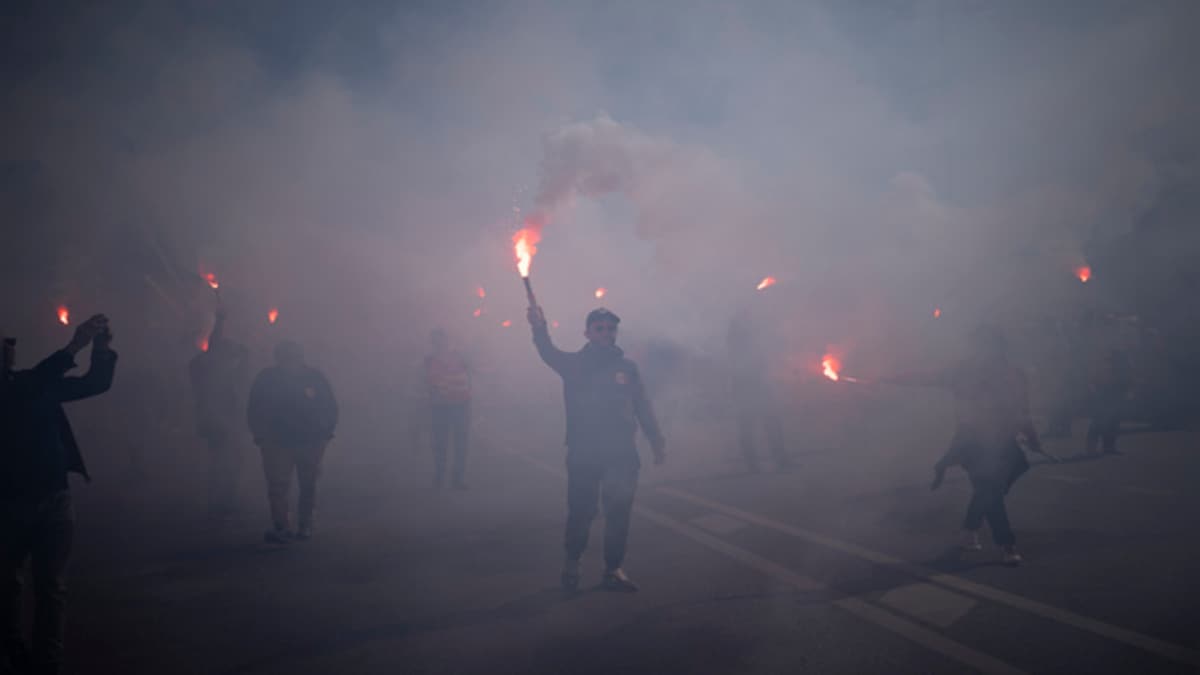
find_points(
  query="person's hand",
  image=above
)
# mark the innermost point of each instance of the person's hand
(103, 339)
(659, 448)
(939, 474)
(537, 318)
(87, 331)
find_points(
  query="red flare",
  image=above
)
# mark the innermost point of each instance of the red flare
(477, 313)
(202, 343)
(767, 282)
(211, 279)
(64, 315)
(830, 366)
(601, 292)
(506, 323)
(272, 315)
(525, 247)
(937, 312)
(1083, 273)
(480, 292)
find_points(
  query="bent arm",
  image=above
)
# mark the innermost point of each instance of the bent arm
(551, 355)
(97, 380)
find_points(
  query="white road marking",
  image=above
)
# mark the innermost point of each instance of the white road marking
(929, 603)
(1167, 650)
(718, 523)
(929, 639)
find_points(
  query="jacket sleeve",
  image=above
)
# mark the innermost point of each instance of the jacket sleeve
(554, 357)
(644, 412)
(329, 405)
(256, 407)
(53, 367)
(97, 380)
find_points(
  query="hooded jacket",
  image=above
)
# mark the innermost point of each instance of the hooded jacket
(291, 408)
(605, 401)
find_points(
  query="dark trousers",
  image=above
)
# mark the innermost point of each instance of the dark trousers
(987, 503)
(748, 421)
(1103, 431)
(40, 531)
(279, 462)
(587, 485)
(450, 420)
(224, 468)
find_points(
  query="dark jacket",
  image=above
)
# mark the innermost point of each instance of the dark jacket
(39, 446)
(291, 408)
(605, 401)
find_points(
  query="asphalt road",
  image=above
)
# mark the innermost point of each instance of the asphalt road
(845, 565)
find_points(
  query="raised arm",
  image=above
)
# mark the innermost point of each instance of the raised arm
(99, 376)
(551, 355)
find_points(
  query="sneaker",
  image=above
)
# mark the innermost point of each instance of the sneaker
(570, 575)
(304, 533)
(617, 580)
(277, 536)
(970, 542)
(1011, 557)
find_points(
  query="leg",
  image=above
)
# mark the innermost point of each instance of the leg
(619, 486)
(51, 551)
(975, 508)
(997, 517)
(15, 545)
(745, 424)
(278, 464)
(460, 427)
(774, 428)
(441, 436)
(583, 497)
(1109, 431)
(1093, 436)
(308, 470)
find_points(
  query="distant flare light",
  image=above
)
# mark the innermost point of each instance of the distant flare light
(830, 366)
(202, 343)
(272, 315)
(477, 313)
(1083, 273)
(937, 312)
(766, 283)
(601, 292)
(64, 315)
(505, 323)
(480, 292)
(211, 280)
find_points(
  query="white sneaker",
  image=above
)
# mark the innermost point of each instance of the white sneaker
(1011, 557)
(570, 575)
(970, 542)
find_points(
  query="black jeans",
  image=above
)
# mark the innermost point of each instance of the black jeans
(450, 420)
(987, 502)
(588, 484)
(42, 531)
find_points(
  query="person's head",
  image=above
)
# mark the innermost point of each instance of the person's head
(987, 343)
(601, 327)
(289, 354)
(439, 340)
(8, 343)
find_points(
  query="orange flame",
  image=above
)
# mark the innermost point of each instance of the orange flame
(601, 292)
(202, 343)
(477, 313)
(830, 366)
(525, 246)
(767, 282)
(506, 323)
(937, 312)
(64, 315)
(212, 280)
(272, 315)
(1084, 273)
(480, 292)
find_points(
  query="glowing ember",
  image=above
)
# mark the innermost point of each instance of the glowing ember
(525, 246)
(212, 280)
(1084, 273)
(480, 292)
(767, 282)
(554, 324)
(477, 313)
(272, 315)
(601, 292)
(64, 315)
(202, 343)
(937, 312)
(830, 366)
(506, 323)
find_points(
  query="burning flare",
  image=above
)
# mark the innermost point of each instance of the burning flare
(830, 366)
(212, 280)
(601, 292)
(272, 315)
(937, 312)
(506, 323)
(1084, 273)
(202, 343)
(480, 292)
(767, 282)
(477, 313)
(64, 315)
(525, 246)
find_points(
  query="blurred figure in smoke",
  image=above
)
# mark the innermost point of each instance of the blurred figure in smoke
(1109, 391)
(292, 414)
(754, 397)
(991, 405)
(1063, 382)
(448, 378)
(605, 402)
(37, 520)
(218, 378)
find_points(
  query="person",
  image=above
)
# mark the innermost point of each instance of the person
(1111, 388)
(754, 395)
(605, 403)
(992, 415)
(37, 520)
(218, 380)
(448, 379)
(292, 414)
